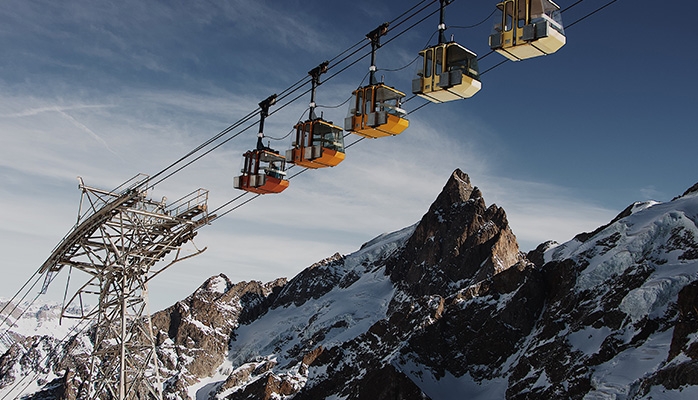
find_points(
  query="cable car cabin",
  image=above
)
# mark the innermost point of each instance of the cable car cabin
(318, 144)
(263, 172)
(449, 72)
(529, 28)
(375, 112)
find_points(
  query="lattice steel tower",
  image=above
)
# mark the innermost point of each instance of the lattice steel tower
(121, 241)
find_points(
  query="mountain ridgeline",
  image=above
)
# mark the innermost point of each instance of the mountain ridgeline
(446, 309)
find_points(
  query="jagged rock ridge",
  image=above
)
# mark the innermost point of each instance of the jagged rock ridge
(450, 309)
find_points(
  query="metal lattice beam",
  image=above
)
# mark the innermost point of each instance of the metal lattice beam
(121, 241)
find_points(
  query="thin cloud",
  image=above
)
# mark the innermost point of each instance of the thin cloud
(53, 108)
(63, 112)
(167, 93)
(89, 131)
(383, 185)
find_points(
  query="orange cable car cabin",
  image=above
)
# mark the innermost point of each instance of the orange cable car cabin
(263, 172)
(375, 112)
(318, 143)
(375, 108)
(528, 28)
(264, 169)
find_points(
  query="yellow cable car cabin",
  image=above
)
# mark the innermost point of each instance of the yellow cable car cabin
(449, 72)
(263, 172)
(375, 112)
(318, 144)
(529, 28)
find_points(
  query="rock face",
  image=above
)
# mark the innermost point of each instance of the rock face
(355, 327)
(458, 242)
(193, 335)
(445, 309)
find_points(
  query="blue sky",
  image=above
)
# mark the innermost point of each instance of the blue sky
(106, 90)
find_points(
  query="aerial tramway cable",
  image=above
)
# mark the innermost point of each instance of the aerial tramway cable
(223, 209)
(287, 92)
(77, 329)
(341, 56)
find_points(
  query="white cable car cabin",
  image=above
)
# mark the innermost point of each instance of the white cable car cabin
(318, 144)
(375, 112)
(263, 172)
(449, 72)
(528, 28)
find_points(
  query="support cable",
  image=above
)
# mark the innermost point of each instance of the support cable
(293, 88)
(250, 115)
(287, 91)
(419, 107)
(72, 333)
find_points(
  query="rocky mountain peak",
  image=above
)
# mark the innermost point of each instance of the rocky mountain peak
(692, 189)
(459, 240)
(193, 334)
(444, 309)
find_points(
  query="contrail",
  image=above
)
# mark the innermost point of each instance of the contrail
(62, 111)
(35, 111)
(88, 130)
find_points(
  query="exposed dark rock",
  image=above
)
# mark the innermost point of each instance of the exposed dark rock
(509, 303)
(692, 189)
(687, 323)
(312, 282)
(536, 256)
(194, 333)
(583, 237)
(454, 302)
(458, 242)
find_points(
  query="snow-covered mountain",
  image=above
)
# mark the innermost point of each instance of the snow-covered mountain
(448, 308)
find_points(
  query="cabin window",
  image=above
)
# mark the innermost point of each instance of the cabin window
(521, 13)
(458, 58)
(439, 60)
(251, 166)
(246, 166)
(537, 8)
(368, 105)
(353, 104)
(508, 15)
(359, 101)
(303, 136)
(427, 63)
(324, 136)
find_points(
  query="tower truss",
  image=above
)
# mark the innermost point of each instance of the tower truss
(121, 241)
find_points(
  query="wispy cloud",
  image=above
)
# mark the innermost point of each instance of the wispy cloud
(63, 111)
(50, 108)
(88, 131)
(383, 185)
(107, 91)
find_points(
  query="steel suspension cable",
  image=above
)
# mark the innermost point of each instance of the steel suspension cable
(246, 118)
(152, 182)
(67, 337)
(590, 14)
(506, 59)
(277, 109)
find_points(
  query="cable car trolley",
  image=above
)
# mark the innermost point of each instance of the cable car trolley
(375, 108)
(376, 112)
(528, 28)
(318, 143)
(448, 72)
(263, 173)
(264, 169)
